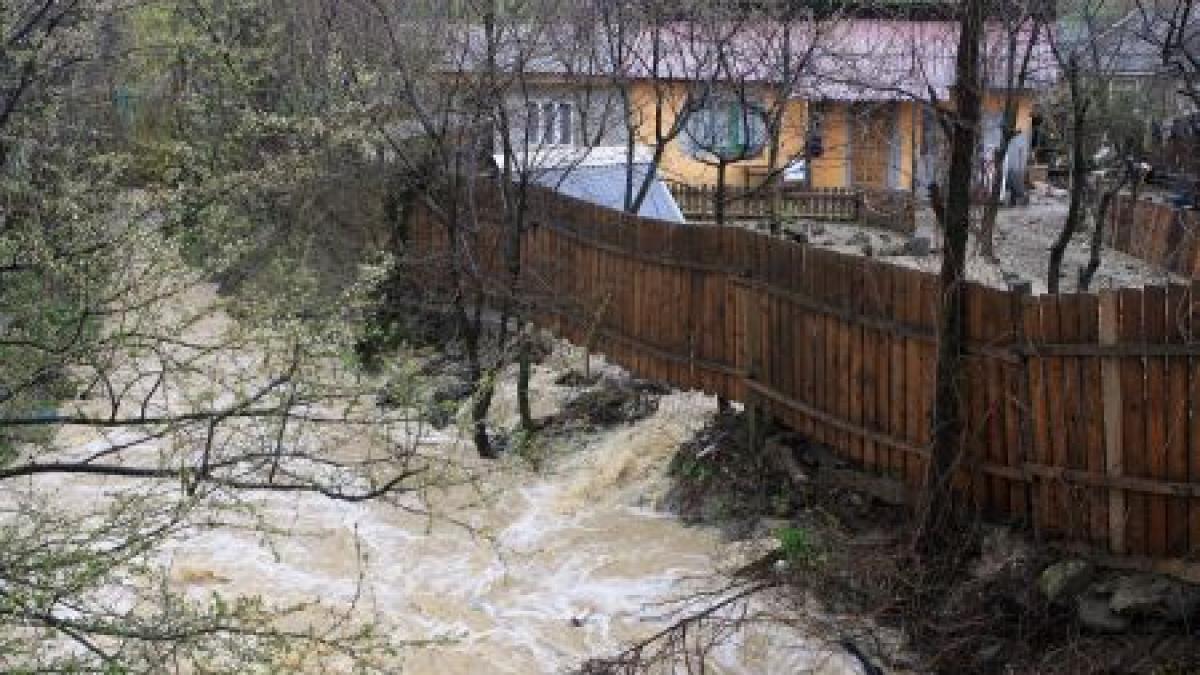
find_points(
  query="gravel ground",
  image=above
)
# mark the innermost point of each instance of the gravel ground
(1023, 238)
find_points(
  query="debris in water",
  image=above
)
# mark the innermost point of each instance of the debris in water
(610, 402)
(574, 378)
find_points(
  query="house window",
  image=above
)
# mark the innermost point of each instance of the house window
(725, 128)
(549, 123)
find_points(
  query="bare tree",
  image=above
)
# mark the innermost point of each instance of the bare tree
(1021, 25)
(1097, 123)
(938, 522)
(1174, 27)
(649, 51)
(788, 42)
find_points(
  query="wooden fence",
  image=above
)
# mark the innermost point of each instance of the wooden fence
(1158, 233)
(886, 209)
(741, 203)
(1083, 410)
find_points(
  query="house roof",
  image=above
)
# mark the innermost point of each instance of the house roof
(851, 59)
(910, 59)
(1132, 44)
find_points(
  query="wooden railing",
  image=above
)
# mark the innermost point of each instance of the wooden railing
(1082, 410)
(884, 209)
(698, 203)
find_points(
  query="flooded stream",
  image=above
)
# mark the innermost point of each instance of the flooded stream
(526, 571)
(557, 566)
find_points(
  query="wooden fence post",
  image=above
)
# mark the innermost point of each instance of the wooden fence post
(1110, 377)
(1019, 295)
(753, 311)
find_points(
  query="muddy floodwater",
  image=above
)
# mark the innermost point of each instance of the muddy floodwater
(558, 564)
(524, 570)
(532, 573)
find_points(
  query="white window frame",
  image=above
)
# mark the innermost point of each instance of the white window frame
(1129, 87)
(550, 122)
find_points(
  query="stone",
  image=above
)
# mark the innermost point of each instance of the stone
(856, 501)
(991, 655)
(1065, 579)
(1153, 596)
(767, 527)
(1095, 615)
(859, 239)
(918, 246)
(1140, 595)
(1183, 605)
(739, 529)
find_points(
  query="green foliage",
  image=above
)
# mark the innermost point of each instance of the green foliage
(531, 447)
(797, 546)
(693, 468)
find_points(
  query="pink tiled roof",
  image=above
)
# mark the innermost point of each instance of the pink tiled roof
(848, 60)
(852, 59)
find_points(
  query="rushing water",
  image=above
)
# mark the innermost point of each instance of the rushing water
(531, 571)
(560, 565)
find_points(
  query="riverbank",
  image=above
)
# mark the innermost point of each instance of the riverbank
(999, 603)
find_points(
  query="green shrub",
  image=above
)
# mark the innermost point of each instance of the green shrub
(797, 546)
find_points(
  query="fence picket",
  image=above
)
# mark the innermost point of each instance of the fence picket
(1154, 332)
(1177, 418)
(1133, 380)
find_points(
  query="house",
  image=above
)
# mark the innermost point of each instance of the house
(854, 101)
(1146, 63)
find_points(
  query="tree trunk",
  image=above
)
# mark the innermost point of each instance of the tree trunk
(470, 327)
(524, 372)
(991, 210)
(719, 195)
(1078, 179)
(1015, 80)
(723, 407)
(1097, 244)
(939, 519)
(484, 390)
(774, 185)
